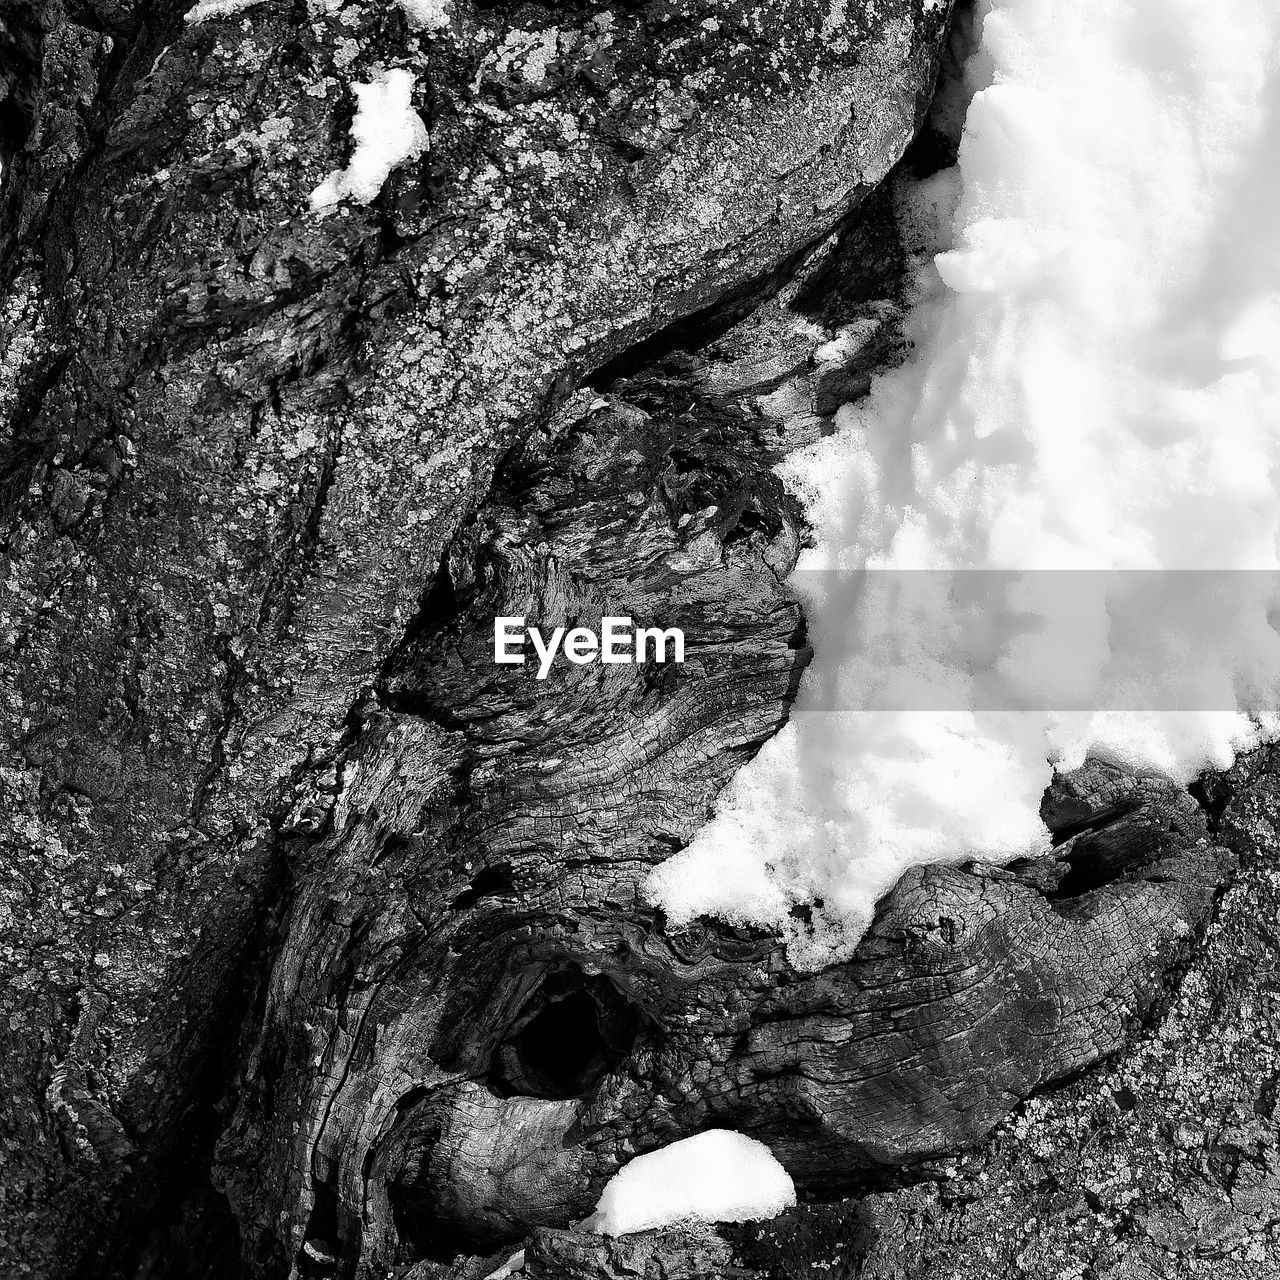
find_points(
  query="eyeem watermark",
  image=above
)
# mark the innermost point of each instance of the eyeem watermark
(618, 641)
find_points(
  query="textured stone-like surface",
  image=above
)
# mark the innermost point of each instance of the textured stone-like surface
(267, 477)
(669, 1255)
(492, 834)
(1165, 1165)
(238, 436)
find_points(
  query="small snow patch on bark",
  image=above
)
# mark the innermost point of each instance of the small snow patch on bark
(387, 132)
(208, 9)
(716, 1176)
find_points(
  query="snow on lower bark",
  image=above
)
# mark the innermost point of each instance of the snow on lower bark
(207, 10)
(716, 1176)
(1095, 388)
(387, 132)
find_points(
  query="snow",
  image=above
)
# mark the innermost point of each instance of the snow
(1092, 404)
(387, 132)
(208, 9)
(715, 1176)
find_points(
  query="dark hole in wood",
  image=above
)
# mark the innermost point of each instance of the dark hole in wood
(491, 882)
(1102, 856)
(317, 1260)
(574, 1031)
(1212, 795)
(1066, 825)
(562, 1045)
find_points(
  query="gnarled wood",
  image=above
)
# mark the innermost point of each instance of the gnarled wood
(267, 478)
(489, 846)
(238, 437)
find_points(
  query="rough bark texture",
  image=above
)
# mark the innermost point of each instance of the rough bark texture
(1164, 1164)
(320, 935)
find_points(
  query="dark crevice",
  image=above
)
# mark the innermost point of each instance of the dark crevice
(1092, 863)
(492, 882)
(21, 38)
(1094, 822)
(573, 1031)
(317, 1258)
(24, 447)
(180, 1225)
(1212, 792)
(702, 327)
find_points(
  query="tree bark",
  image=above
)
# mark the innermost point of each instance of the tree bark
(321, 936)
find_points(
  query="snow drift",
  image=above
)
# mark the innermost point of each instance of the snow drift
(1094, 391)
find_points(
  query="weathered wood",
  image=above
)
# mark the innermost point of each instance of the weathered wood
(321, 936)
(648, 1255)
(482, 878)
(238, 438)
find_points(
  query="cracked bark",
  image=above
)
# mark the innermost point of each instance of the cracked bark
(303, 899)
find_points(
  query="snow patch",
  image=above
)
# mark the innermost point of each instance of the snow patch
(716, 1176)
(208, 9)
(387, 132)
(1095, 390)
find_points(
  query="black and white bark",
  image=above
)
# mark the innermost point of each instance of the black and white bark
(323, 945)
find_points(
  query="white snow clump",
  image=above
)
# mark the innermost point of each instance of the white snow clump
(387, 132)
(208, 9)
(1093, 403)
(716, 1176)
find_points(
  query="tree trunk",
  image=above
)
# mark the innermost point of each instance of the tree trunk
(321, 935)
